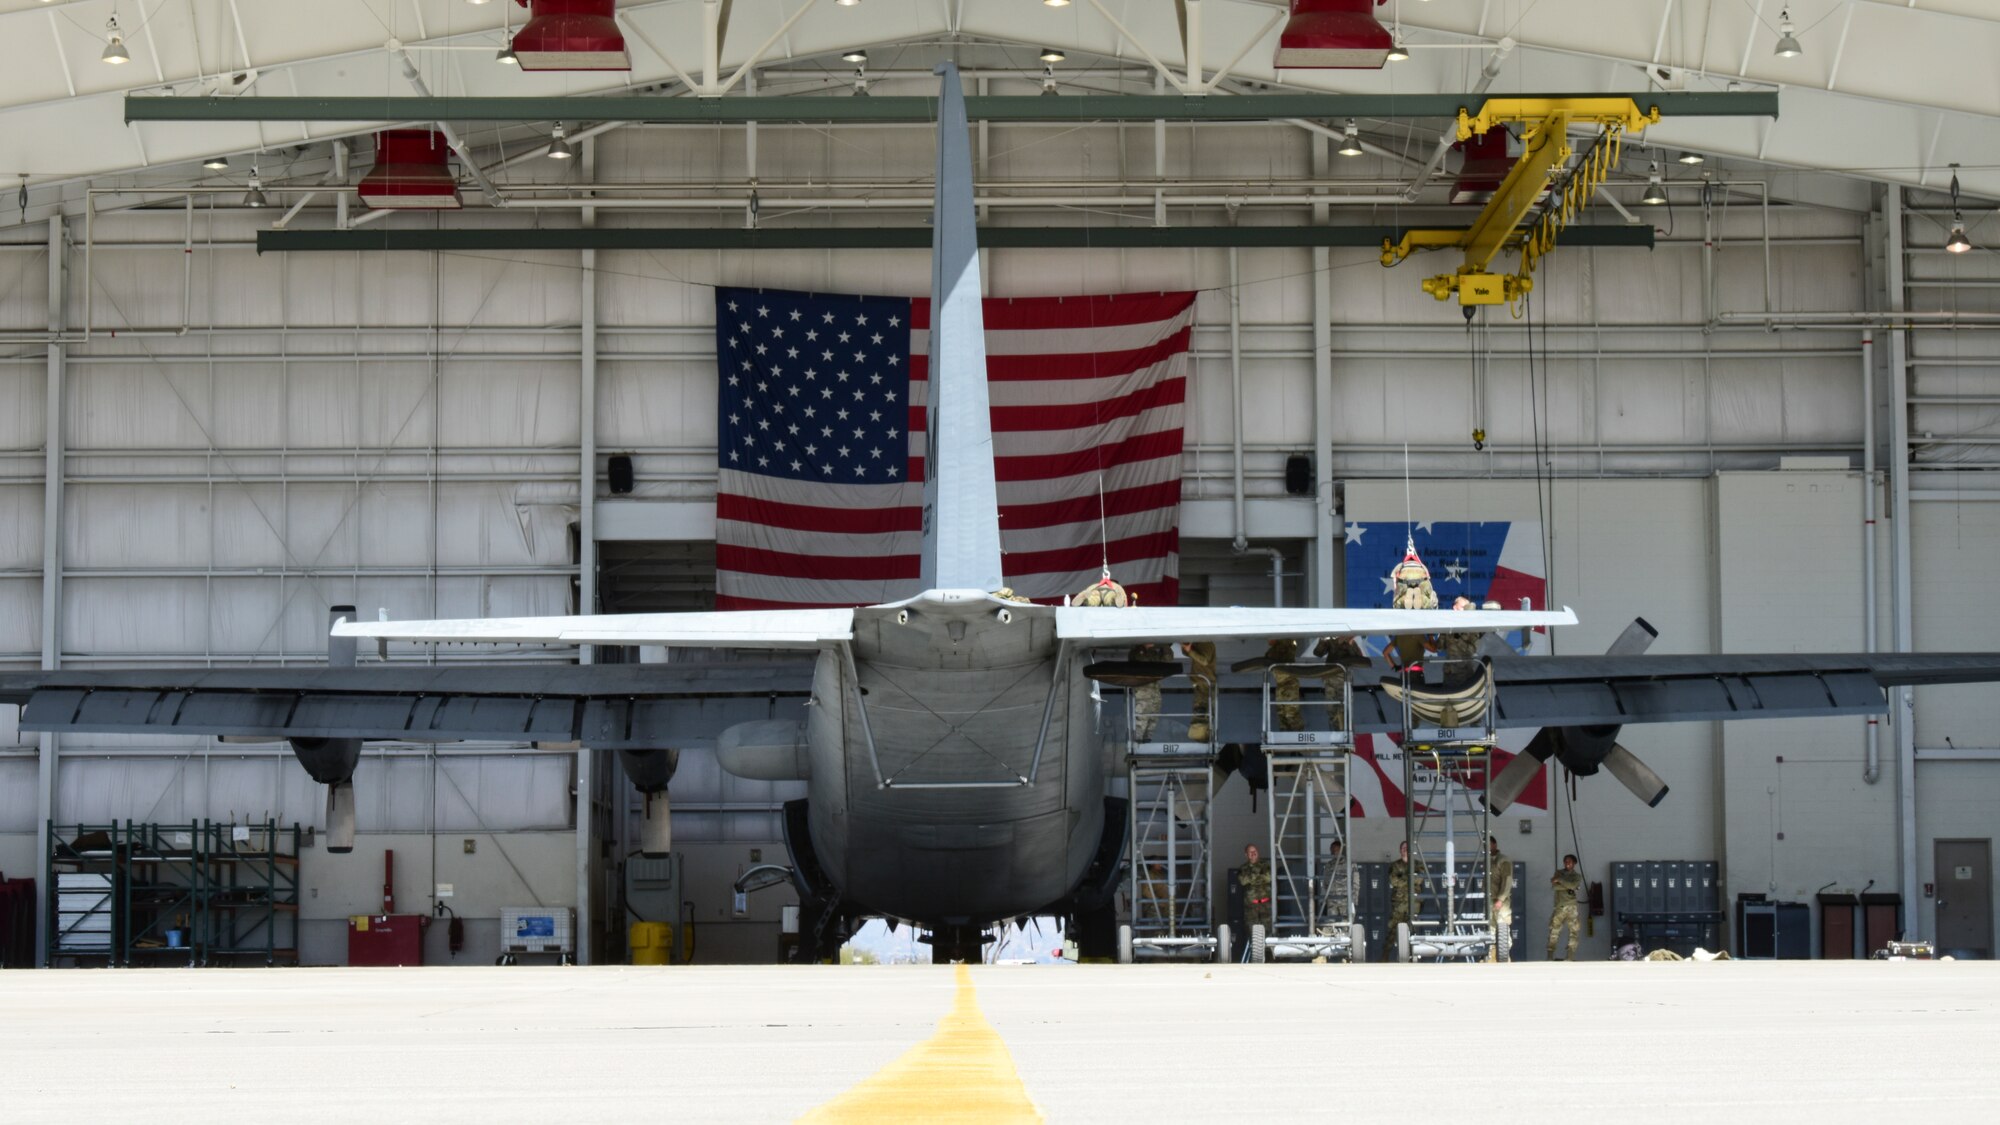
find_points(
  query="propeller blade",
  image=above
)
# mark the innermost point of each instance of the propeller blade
(1635, 640)
(656, 832)
(340, 817)
(1635, 775)
(1508, 785)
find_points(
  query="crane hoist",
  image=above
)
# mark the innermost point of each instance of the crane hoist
(1509, 220)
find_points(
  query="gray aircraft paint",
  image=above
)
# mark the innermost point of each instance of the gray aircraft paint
(961, 546)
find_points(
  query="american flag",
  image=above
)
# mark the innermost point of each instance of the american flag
(821, 443)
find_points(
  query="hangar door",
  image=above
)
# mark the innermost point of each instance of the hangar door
(1965, 896)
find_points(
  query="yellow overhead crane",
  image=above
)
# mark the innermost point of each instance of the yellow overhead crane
(1499, 226)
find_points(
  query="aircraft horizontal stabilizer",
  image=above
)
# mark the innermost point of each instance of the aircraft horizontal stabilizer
(761, 629)
(1168, 624)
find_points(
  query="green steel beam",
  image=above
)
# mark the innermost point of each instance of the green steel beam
(874, 238)
(814, 108)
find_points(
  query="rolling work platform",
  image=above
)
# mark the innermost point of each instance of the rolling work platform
(1170, 876)
(1448, 739)
(1312, 887)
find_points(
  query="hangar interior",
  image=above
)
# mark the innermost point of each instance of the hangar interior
(1770, 431)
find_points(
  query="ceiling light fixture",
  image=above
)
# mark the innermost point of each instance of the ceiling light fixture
(1398, 52)
(1958, 243)
(1335, 35)
(114, 43)
(506, 56)
(855, 57)
(1051, 55)
(1788, 43)
(1350, 144)
(1656, 189)
(256, 196)
(216, 163)
(558, 147)
(847, 3)
(1693, 158)
(1055, 3)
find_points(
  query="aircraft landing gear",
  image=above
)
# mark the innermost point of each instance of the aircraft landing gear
(950, 944)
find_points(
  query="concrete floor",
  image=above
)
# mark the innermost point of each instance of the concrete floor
(1795, 1041)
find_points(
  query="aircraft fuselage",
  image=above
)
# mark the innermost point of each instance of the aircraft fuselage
(957, 702)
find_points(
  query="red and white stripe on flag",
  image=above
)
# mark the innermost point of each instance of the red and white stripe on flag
(1088, 396)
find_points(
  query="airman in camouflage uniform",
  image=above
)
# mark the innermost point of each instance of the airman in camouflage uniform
(1399, 887)
(1500, 897)
(1285, 682)
(1201, 667)
(1336, 905)
(1255, 879)
(1103, 592)
(1412, 582)
(1566, 882)
(1146, 697)
(1341, 654)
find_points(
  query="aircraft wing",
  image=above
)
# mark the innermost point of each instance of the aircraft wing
(1581, 691)
(608, 706)
(1169, 624)
(766, 629)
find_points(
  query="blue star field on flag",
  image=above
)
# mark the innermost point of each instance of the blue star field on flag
(814, 388)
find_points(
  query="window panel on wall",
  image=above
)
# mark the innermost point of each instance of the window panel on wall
(396, 289)
(141, 405)
(21, 524)
(323, 408)
(397, 404)
(1747, 401)
(503, 793)
(508, 403)
(19, 778)
(22, 393)
(109, 616)
(127, 525)
(117, 789)
(655, 287)
(523, 287)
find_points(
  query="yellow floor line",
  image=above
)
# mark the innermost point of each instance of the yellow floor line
(962, 1073)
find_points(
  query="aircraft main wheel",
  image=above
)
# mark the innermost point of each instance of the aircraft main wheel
(1222, 950)
(1257, 945)
(1357, 944)
(1403, 942)
(1124, 944)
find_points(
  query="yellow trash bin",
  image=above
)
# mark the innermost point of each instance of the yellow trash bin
(651, 943)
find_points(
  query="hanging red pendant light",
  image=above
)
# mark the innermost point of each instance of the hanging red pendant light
(1334, 34)
(570, 35)
(1486, 164)
(410, 173)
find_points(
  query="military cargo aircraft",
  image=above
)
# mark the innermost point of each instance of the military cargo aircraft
(952, 745)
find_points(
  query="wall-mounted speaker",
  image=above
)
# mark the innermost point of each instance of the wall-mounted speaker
(1298, 475)
(619, 472)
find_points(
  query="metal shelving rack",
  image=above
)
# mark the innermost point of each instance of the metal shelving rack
(230, 891)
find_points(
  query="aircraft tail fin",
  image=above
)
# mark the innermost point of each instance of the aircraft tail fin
(961, 545)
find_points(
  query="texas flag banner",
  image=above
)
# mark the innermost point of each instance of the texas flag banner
(1498, 561)
(819, 501)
